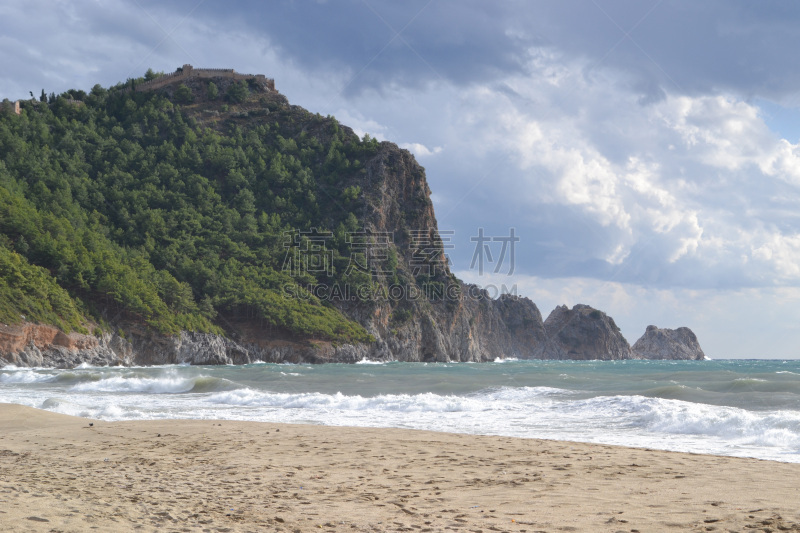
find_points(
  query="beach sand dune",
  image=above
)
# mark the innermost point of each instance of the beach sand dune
(59, 474)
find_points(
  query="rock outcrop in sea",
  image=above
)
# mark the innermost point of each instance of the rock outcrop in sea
(582, 333)
(663, 343)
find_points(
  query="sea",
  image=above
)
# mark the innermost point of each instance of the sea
(743, 408)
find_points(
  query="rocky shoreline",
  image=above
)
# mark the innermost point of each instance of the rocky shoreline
(509, 327)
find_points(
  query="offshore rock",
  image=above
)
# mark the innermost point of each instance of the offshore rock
(663, 343)
(582, 333)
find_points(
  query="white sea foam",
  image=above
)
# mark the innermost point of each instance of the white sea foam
(660, 409)
(366, 361)
(404, 403)
(158, 385)
(24, 376)
(104, 410)
(675, 417)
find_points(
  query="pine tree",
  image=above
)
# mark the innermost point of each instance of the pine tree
(213, 92)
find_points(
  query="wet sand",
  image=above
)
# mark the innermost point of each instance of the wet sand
(58, 473)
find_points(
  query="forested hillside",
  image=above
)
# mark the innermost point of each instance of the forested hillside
(174, 208)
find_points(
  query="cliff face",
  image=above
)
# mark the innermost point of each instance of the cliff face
(465, 324)
(39, 345)
(663, 343)
(471, 329)
(582, 333)
(29, 344)
(476, 330)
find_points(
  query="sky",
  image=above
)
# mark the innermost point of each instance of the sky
(644, 153)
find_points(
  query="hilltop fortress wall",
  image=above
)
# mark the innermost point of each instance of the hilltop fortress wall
(183, 73)
(188, 71)
(10, 107)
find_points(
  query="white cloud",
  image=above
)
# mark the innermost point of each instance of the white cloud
(360, 124)
(420, 150)
(682, 191)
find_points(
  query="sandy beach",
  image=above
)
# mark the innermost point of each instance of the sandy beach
(61, 473)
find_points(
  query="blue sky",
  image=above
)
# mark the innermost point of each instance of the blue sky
(646, 153)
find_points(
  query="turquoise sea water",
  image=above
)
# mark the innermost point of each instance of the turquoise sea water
(741, 408)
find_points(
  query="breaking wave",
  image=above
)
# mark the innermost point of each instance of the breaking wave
(731, 408)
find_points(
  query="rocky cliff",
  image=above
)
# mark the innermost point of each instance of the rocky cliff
(663, 343)
(39, 345)
(474, 329)
(478, 330)
(28, 344)
(463, 323)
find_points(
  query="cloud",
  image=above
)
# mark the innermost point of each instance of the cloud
(687, 191)
(420, 150)
(381, 43)
(728, 46)
(360, 124)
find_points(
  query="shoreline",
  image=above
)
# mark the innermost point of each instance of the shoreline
(59, 473)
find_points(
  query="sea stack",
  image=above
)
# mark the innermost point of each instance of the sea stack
(582, 333)
(663, 343)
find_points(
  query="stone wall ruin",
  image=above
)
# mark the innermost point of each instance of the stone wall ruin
(188, 71)
(8, 106)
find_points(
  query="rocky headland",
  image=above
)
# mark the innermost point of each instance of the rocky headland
(464, 325)
(507, 328)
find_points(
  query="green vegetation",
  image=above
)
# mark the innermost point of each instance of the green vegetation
(238, 92)
(130, 205)
(183, 94)
(212, 92)
(30, 291)
(401, 316)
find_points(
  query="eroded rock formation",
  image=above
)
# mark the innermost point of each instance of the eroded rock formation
(663, 343)
(582, 333)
